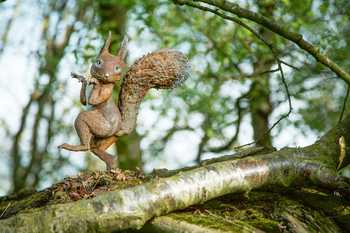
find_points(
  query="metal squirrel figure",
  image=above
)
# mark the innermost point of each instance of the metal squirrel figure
(100, 126)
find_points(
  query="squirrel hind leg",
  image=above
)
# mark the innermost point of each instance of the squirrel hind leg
(70, 147)
(102, 145)
(85, 137)
(105, 157)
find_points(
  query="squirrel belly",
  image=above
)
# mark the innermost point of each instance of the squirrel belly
(162, 69)
(103, 114)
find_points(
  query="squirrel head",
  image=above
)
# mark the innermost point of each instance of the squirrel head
(108, 67)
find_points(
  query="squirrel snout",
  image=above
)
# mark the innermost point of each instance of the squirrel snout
(111, 77)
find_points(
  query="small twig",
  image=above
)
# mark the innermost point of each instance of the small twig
(238, 155)
(268, 71)
(3, 212)
(272, 25)
(283, 116)
(344, 104)
(290, 65)
(238, 125)
(220, 13)
(254, 75)
(288, 97)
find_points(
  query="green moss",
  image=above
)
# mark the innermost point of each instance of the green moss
(86, 185)
(24, 200)
(232, 213)
(266, 211)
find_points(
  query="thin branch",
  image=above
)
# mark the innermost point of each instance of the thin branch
(254, 75)
(222, 14)
(344, 104)
(15, 147)
(201, 146)
(174, 130)
(9, 23)
(286, 115)
(238, 125)
(204, 139)
(3, 212)
(288, 97)
(272, 25)
(290, 65)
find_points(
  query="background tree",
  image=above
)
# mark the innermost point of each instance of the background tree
(255, 78)
(234, 96)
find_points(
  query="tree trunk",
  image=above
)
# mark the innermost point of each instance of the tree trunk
(129, 151)
(260, 101)
(41, 103)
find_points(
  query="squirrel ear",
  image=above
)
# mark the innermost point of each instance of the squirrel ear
(107, 43)
(123, 51)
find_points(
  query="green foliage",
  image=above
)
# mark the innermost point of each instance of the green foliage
(225, 59)
(221, 52)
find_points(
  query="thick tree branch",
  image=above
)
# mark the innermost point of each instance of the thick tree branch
(132, 207)
(277, 28)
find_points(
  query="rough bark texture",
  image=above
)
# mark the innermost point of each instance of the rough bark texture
(258, 212)
(132, 207)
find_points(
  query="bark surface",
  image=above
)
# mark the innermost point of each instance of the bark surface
(131, 206)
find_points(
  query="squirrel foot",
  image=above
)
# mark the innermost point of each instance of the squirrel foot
(111, 165)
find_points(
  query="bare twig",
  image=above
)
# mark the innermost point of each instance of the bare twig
(3, 212)
(222, 14)
(272, 25)
(238, 125)
(201, 146)
(288, 97)
(290, 65)
(254, 75)
(8, 26)
(344, 104)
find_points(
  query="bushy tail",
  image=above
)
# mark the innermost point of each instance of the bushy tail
(162, 69)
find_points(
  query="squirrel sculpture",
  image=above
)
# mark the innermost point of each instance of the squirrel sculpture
(99, 127)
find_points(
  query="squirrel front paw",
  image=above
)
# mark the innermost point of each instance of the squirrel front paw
(93, 81)
(62, 146)
(81, 78)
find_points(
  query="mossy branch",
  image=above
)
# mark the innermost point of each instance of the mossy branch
(131, 207)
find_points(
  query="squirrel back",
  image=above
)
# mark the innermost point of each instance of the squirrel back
(162, 69)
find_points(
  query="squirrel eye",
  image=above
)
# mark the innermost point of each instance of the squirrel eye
(117, 69)
(98, 62)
